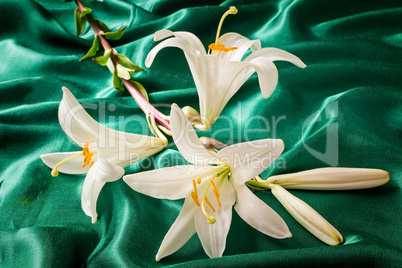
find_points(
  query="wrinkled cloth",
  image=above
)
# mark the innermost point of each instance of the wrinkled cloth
(343, 110)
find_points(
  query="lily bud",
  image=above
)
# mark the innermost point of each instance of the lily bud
(211, 144)
(332, 179)
(307, 217)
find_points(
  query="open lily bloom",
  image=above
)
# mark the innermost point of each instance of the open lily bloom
(220, 73)
(104, 155)
(211, 186)
(320, 179)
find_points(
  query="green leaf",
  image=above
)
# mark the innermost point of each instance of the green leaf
(93, 50)
(126, 62)
(102, 60)
(102, 26)
(86, 11)
(80, 22)
(141, 89)
(117, 82)
(116, 35)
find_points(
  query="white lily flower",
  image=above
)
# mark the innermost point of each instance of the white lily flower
(334, 178)
(208, 191)
(105, 151)
(220, 73)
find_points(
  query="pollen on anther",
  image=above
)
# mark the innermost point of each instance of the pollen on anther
(199, 180)
(209, 204)
(195, 198)
(92, 163)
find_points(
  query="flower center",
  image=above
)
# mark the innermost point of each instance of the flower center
(220, 175)
(220, 47)
(87, 159)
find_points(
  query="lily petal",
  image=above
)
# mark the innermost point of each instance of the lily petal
(76, 122)
(100, 173)
(183, 44)
(332, 179)
(168, 183)
(266, 70)
(191, 38)
(180, 232)
(123, 149)
(217, 81)
(242, 43)
(308, 217)
(249, 159)
(213, 236)
(187, 140)
(73, 166)
(258, 214)
(267, 75)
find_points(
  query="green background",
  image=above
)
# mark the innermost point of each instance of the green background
(353, 52)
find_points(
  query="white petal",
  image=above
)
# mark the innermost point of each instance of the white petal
(187, 140)
(170, 183)
(276, 54)
(76, 122)
(73, 166)
(180, 232)
(123, 149)
(308, 217)
(258, 214)
(266, 70)
(100, 173)
(248, 159)
(267, 75)
(172, 42)
(213, 236)
(217, 81)
(193, 41)
(89, 197)
(332, 179)
(242, 43)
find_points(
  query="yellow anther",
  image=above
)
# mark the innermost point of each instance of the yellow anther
(195, 187)
(220, 47)
(217, 195)
(199, 180)
(209, 204)
(195, 198)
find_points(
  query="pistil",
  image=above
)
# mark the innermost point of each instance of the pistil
(220, 47)
(87, 159)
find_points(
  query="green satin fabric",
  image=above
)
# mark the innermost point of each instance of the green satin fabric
(353, 50)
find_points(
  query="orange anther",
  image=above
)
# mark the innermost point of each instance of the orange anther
(195, 198)
(209, 204)
(220, 47)
(195, 187)
(217, 196)
(199, 180)
(92, 163)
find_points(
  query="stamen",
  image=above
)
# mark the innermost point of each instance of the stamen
(92, 163)
(209, 204)
(194, 194)
(195, 198)
(54, 172)
(217, 195)
(199, 180)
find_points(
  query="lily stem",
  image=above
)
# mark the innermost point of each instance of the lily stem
(145, 106)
